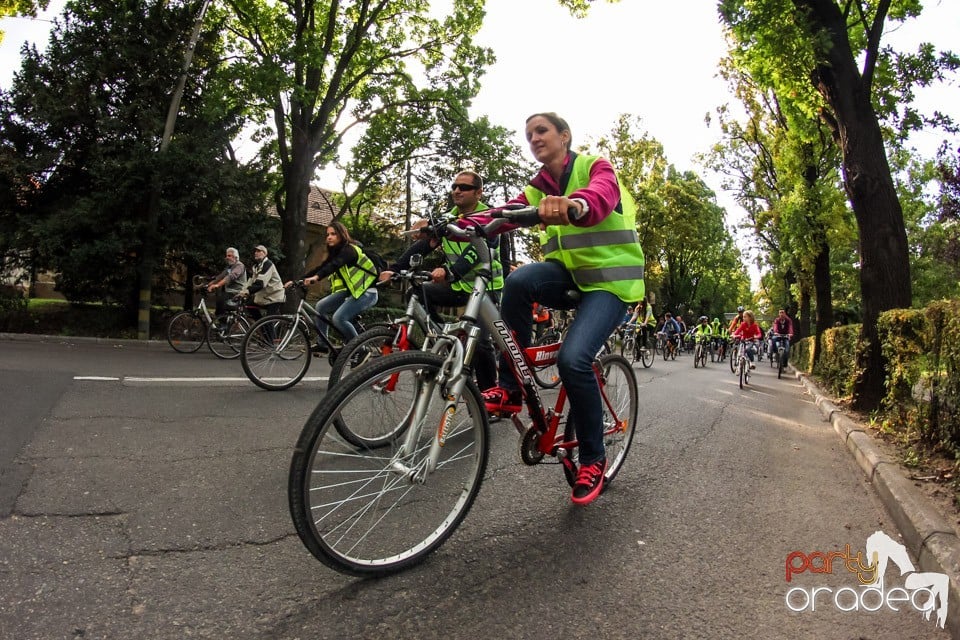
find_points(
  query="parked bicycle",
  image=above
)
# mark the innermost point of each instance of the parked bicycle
(384, 506)
(223, 334)
(276, 351)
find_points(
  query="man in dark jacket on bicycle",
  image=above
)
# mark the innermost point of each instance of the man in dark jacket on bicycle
(782, 334)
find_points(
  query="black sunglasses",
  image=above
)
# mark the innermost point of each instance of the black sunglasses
(463, 187)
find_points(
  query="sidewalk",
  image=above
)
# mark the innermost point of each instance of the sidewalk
(926, 533)
(117, 342)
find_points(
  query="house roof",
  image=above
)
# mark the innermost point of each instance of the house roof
(320, 207)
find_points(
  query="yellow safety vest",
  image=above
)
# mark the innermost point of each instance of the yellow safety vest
(606, 256)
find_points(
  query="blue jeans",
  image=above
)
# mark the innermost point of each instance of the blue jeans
(751, 349)
(598, 314)
(342, 309)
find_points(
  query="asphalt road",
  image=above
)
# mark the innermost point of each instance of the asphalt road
(143, 494)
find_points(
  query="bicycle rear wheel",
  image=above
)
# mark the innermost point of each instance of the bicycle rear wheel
(275, 353)
(620, 408)
(186, 332)
(225, 335)
(360, 511)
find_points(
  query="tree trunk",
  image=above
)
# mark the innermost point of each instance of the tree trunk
(822, 285)
(884, 257)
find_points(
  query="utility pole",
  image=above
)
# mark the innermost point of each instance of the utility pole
(148, 254)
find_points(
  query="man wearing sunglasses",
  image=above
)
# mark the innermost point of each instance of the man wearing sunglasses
(453, 282)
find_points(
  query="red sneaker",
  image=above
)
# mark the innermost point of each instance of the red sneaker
(589, 482)
(502, 402)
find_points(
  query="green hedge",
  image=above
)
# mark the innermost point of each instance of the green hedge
(922, 352)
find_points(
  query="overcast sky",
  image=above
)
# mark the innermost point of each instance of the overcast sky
(650, 58)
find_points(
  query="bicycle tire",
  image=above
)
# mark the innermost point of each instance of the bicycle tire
(779, 363)
(275, 353)
(375, 342)
(620, 409)
(226, 343)
(356, 510)
(743, 372)
(186, 332)
(647, 355)
(696, 357)
(547, 377)
(734, 359)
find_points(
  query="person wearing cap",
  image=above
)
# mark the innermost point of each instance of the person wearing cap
(453, 282)
(352, 284)
(264, 283)
(737, 319)
(230, 281)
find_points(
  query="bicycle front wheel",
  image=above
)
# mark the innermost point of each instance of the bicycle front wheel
(744, 372)
(547, 377)
(645, 353)
(733, 361)
(186, 332)
(275, 353)
(780, 364)
(225, 336)
(365, 347)
(367, 512)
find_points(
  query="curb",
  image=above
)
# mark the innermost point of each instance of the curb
(112, 342)
(928, 536)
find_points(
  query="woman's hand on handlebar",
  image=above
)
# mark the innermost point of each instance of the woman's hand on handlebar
(555, 210)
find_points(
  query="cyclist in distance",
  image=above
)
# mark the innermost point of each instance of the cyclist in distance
(737, 319)
(264, 284)
(720, 336)
(782, 334)
(230, 281)
(352, 276)
(748, 331)
(453, 282)
(643, 316)
(590, 245)
(671, 328)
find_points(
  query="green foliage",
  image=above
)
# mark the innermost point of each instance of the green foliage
(692, 263)
(839, 347)
(78, 153)
(382, 67)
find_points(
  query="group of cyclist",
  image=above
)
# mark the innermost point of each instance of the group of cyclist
(717, 334)
(593, 263)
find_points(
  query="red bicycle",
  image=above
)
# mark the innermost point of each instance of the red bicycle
(383, 506)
